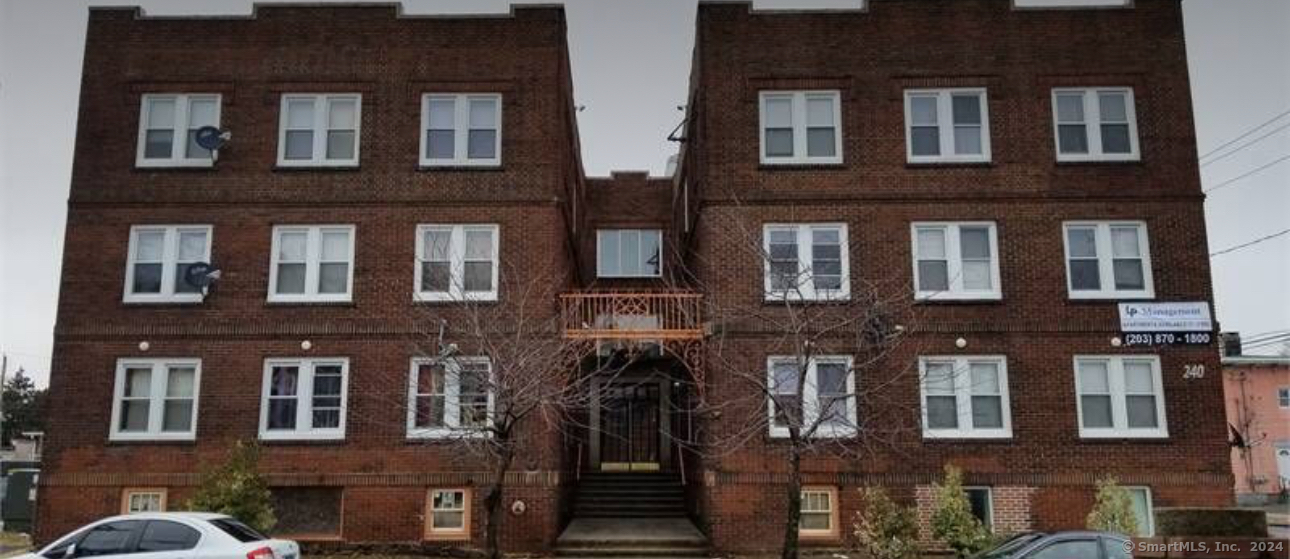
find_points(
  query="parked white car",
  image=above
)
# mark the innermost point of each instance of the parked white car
(168, 535)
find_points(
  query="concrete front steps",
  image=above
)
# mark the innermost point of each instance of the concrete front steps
(628, 538)
(629, 495)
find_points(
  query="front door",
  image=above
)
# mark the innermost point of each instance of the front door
(629, 427)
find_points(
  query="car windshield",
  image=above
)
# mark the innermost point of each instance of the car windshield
(1009, 546)
(240, 532)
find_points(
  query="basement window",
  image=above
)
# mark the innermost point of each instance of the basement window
(143, 500)
(819, 513)
(448, 514)
(981, 503)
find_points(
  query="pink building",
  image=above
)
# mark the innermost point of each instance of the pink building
(1257, 391)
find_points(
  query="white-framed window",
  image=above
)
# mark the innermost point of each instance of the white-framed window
(158, 259)
(1143, 510)
(819, 512)
(947, 126)
(1095, 124)
(981, 503)
(826, 401)
(450, 398)
(956, 261)
(311, 264)
(1120, 396)
(629, 253)
(801, 127)
(965, 397)
(1283, 397)
(135, 500)
(1108, 260)
(168, 126)
(807, 261)
(448, 517)
(459, 130)
(319, 130)
(457, 262)
(155, 399)
(304, 399)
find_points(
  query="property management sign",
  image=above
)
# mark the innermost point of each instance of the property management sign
(1146, 324)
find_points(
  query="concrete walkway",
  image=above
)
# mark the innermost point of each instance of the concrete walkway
(631, 531)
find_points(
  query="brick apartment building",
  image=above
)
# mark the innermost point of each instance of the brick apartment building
(1015, 173)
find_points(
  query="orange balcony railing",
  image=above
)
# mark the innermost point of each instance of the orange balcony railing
(645, 315)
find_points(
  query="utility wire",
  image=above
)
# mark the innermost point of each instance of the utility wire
(1251, 243)
(1245, 145)
(1267, 343)
(1243, 175)
(1247, 133)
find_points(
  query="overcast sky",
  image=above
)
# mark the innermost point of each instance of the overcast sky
(1240, 75)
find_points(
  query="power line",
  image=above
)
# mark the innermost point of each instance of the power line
(1266, 343)
(1246, 145)
(1251, 243)
(1243, 175)
(1247, 133)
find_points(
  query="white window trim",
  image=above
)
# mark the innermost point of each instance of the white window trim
(1106, 260)
(954, 262)
(810, 398)
(1093, 123)
(179, 143)
(800, 156)
(945, 125)
(461, 131)
(156, 398)
(1285, 405)
(452, 400)
(322, 109)
(170, 260)
(1119, 414)
(304, 400)
(457, 263)
(989, 502)
(313, 255)
(806, 291)
(1150, 529)
(600, 239)
(963, 397)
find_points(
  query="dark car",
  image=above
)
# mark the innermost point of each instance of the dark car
(1061, 545)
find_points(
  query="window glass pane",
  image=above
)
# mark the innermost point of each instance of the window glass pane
(157, 144)
(1112, 107)
(1073, 138)
(192, 246)
(177, 416)
(335, 246)
(987, 412)
(819, 142)
(1085, 275)
(291, 246)
(979, 501)
(933, 275)
(440, 144)
(967, 109)
(1124, 242)
(779, 142)
(333, 278)
(985, 378)
(1082, 242)
(180, 382)
(967, 140)
(149, 246)
(340, 144)
(925, 140)
(1115, 138)
(144, 502)
(284, 381)
(1097, 411)
(1141, 510)
(1138, 377)
(815, 521)
(291, 279)
(138, 382)
(479, 245)
(1141, 411)
(478, 276)
(975, 242)
(609, 254)
(831, 378)
(940, 378)
(942, 412)
(931, 243)
(631, 252)
(483, 113)
(819, 111)
(481, 144)
(651, 257)
(300, 144)
(300, 113)
(438, 242)
(201, 112)
(435, 276)
(1093, 378)
(161, 113)
(147, 278)
(977, 276)
(1128, 275)
(192, 150)
(343, 114)
(779, 112)
(784, 378)
(1070, 107)
(922, 110)
(443, 114)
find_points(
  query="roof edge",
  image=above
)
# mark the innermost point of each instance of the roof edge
(399, 12)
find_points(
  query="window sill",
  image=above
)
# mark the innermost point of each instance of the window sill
(1124, 438)
(175, 167)
(435, 301)
(958, 301)
(948, 164)
(459, 167)
(1104, 299)
(1096, 162)
(803, 166)
(959, 438)
(445, 538)
(309, 304)
(152, 442)
(315, 167)
(161, 304)
(300, 441)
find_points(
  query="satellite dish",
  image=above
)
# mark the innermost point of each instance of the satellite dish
(212, 138)
(201, 275)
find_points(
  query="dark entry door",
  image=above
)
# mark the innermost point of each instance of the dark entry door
(629, 428)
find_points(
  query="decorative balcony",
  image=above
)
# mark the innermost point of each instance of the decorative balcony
(640, 315)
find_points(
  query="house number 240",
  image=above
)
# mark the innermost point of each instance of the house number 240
(1195, 370)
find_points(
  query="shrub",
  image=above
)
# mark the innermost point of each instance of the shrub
(952, 519)
(236, 488)
(1113, 510)
(885, 529)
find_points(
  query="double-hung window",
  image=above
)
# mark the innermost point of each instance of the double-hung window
(806, 261)
(460, 130)
(320, 130)
(629, 253)
(155, 399)
(1108, 260)
(1120, 396)
(956, 261)
(1095, 124)
(801, 127)
(965, 397)
(1283, 397)
(947, 126)
(312, 263)
(304, 399)
(158, 262)
(823, 406)
(168, 129)
(448, 517)
(819, 512)
(450, 398)
(457, 262)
